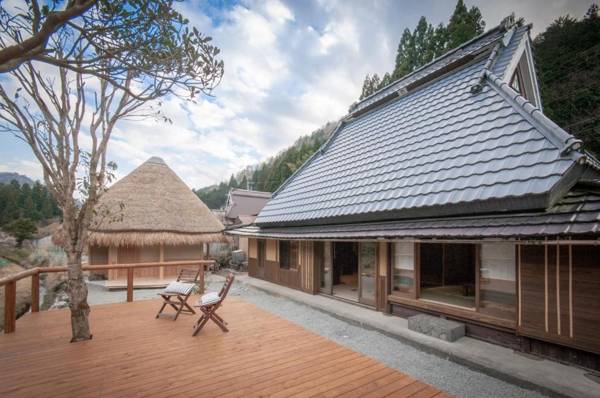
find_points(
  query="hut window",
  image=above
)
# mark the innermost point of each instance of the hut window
(447, 273)
(403, 267)
(497, 280)
(288, 254)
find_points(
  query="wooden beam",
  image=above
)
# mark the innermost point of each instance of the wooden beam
(129, 284)
(10, 303)
(35, 292)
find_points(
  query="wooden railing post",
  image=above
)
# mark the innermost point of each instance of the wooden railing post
(10, 311)
(129, 284)
(35, 292)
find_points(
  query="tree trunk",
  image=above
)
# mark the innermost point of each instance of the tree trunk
(77, 291)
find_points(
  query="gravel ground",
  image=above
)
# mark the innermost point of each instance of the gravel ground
(456, 379)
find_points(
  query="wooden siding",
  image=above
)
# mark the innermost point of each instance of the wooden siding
(560, 294)
(296, 278)
(133, 354)
(148, 254)
(252, 250)
(307, 267)
(272, 250)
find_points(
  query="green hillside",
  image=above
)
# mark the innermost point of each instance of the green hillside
(270, 174)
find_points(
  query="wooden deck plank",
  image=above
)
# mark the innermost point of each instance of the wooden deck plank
(133, 354)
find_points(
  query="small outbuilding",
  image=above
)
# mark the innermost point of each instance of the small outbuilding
(150, 215)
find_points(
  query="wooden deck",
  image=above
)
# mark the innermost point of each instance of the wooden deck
(134, 354)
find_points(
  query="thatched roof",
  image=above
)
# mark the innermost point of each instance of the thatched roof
(150, 206)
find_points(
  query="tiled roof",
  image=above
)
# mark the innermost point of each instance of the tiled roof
(243, 202)
(577, 214)
(438, 150)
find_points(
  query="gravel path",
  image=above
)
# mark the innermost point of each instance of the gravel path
(446, 375)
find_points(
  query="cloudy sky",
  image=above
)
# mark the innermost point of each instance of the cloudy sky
(290, 66)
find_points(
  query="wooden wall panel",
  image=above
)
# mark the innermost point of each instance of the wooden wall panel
(98, 255)
(586, 297)
(252, 250)
(272, 249)
(560, 300)
(552, 302)
(533, 288)
(307, 271)
(253, 267)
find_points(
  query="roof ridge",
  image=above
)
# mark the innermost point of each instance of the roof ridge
(565, 142)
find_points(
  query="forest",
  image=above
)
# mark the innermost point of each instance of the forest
(566, 56)
(24, 201)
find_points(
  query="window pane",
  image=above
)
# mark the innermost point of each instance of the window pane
(448, 273)
(403, 266)
(284, 254)
(497, 280)
(368, 256)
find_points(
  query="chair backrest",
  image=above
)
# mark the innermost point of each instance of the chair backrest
(226, 286)
(189, 275)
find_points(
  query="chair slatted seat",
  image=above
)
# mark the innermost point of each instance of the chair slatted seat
(178, 292)
(210, 303)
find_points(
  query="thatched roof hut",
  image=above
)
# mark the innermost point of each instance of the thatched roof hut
(153, 206)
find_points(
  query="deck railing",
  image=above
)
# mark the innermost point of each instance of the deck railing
(10, 283)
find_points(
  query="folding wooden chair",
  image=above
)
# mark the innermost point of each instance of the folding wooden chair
(210, 303)
(177, 293)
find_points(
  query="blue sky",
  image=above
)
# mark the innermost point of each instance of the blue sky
(290, 66)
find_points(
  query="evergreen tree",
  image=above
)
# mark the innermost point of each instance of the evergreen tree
(464, 25)
(244, 182)
(425, 43)
(567, 55)
(24, 201)
(21, 229)
(405, 59)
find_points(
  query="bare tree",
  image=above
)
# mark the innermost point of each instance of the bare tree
(67, 109)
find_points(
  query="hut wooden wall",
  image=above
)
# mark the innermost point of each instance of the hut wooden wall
(299, 278)
(125, 255)
(560, 294)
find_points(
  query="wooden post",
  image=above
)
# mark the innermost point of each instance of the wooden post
(161, 272)
(129, 284)
(201, 278)
(35, 292)
(10, 311)
(477, 276)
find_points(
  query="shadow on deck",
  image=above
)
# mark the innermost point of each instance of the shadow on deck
(134, 354)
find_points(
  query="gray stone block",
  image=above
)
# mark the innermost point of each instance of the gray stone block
(433, 326)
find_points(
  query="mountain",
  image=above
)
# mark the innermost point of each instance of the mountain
(6, 178)
(270, 174)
